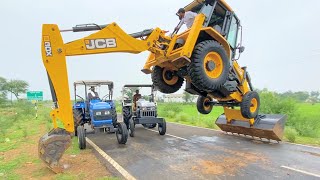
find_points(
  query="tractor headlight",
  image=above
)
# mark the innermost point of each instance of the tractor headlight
(144, 109)
(98, 113)
(107, 112)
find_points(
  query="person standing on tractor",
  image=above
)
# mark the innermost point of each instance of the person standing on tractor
(92, 93)
(186, 18)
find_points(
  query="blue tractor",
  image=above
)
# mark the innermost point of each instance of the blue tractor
(99, 112)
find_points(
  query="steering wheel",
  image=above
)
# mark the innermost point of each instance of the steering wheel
(80, 98)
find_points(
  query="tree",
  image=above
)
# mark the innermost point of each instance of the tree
(187, 97)
(3, 92)
(315, 94)
(130, 91)
(16, 87)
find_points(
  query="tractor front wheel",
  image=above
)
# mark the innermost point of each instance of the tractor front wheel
(81, 137)
(162, 127)
(166, 80)
(122, 133)
(131, 127)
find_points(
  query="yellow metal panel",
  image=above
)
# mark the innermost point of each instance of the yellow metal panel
(235, 114)
(110, 39)
(226, 5)
(193, 35)
(55, 62)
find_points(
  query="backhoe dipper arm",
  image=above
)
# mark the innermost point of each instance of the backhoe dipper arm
(109, 39)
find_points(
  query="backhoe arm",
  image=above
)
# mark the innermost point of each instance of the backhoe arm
(110, 38)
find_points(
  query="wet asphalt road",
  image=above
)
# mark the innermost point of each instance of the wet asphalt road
(194, 153)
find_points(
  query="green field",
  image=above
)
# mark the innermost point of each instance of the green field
(19, 135)
(302, 127)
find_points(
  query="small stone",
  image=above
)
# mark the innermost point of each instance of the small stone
(1, 174)
(28, 162)
(73, 155)
(66, 166)
(7, 140)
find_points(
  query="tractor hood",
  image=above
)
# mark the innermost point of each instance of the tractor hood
(144, 103)
(100, 105)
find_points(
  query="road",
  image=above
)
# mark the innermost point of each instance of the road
(187, 152)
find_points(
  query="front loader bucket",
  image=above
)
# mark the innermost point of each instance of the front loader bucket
(52, 146)
(269, 126)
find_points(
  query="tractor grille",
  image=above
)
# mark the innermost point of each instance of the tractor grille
(102, 115)
(149, 113)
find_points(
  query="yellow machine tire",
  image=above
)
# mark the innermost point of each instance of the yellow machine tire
(250, 105)
(201, 105)
(209, 67)
(166, 86)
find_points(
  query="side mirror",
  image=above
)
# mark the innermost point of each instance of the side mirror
(241, 49)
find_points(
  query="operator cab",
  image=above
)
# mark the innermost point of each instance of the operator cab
(221, 18)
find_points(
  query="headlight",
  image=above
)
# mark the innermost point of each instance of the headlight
(144, 109)
(98, 113)
(107, 112)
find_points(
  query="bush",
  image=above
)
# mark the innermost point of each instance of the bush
(290, 133)
(171, 114)
(183, 118)
(172, 107)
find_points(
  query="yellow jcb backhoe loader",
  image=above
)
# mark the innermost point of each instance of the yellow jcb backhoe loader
(205, 56)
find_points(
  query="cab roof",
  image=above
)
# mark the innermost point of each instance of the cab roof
(195, 3)
(137, 85)
(93, 83)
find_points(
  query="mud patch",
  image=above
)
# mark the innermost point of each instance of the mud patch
(230, 162)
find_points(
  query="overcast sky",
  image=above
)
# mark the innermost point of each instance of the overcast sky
(281, 39)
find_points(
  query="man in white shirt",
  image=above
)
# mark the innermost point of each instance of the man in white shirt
(186, 18)
(92, 93)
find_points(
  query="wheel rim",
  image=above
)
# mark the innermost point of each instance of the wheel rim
(205, 105)
(168, 77)
(254, 105)
(213, 65)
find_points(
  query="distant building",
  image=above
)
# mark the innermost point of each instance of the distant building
(177, 98)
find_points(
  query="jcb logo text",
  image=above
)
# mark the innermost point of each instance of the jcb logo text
(48, 49)
(100, 43)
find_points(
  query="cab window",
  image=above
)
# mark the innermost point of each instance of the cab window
(233, 32)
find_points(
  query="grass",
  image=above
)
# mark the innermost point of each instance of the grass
(303, 125)
(20, 129)
(188, 114)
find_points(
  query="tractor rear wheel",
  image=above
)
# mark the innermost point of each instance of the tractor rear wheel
(166, 80)
(209, 66)
(250, 105)
(203, 106)
(81, 137)
(122, 133)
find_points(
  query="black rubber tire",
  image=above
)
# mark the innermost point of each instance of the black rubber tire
(151, 126)
(162, 128)
(76, 120)
(196, 69)
(162, 86)
(126, 113)
(246, 104)
(81, 137)
(202, 107)
(131, 127)
(122, 133)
